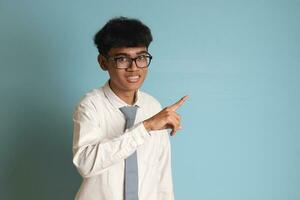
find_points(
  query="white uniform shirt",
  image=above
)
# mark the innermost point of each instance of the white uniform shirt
(100, 146)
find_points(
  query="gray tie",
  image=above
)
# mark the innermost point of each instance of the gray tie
(131, 166)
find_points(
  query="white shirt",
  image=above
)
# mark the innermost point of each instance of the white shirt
(100, 146)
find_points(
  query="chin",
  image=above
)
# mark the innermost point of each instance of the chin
(133, 87)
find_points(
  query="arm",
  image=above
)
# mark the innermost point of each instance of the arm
(92, 154)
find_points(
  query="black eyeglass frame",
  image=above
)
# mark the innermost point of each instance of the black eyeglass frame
(114, 58)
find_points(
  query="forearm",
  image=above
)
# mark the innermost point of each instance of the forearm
(94, 158)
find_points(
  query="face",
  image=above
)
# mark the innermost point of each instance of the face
(124, 80)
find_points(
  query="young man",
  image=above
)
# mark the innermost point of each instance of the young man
(121, 146)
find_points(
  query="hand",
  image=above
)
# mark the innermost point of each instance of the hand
(166, 118)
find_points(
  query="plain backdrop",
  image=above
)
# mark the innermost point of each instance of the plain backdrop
(237, 60)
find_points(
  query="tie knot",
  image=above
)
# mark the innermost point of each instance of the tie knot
(129, 111)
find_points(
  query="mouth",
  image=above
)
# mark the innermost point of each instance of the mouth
(133, 78)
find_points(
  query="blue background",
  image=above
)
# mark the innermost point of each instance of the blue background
(238, 61)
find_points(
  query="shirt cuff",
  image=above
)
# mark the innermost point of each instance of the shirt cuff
(140, 133)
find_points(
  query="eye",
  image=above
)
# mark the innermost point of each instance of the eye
(121, 59)
(142, 57)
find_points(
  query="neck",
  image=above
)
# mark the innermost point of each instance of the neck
(126, 96)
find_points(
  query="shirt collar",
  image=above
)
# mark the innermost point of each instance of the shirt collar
(117, 101)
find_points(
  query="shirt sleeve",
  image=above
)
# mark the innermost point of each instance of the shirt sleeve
(165, 187)
(93, 155)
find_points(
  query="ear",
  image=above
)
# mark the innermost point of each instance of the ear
(102, 62)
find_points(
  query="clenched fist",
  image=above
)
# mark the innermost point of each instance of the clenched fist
(166, 118)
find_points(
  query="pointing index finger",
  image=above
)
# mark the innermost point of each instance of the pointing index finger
(179, 103)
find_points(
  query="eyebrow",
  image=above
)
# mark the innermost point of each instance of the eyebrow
(125, 54)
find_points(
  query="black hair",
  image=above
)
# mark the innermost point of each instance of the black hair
(122, 32)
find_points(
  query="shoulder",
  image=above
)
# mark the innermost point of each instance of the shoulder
(91, 100)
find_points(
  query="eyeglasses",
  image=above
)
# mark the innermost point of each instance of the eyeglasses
(124, 62)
